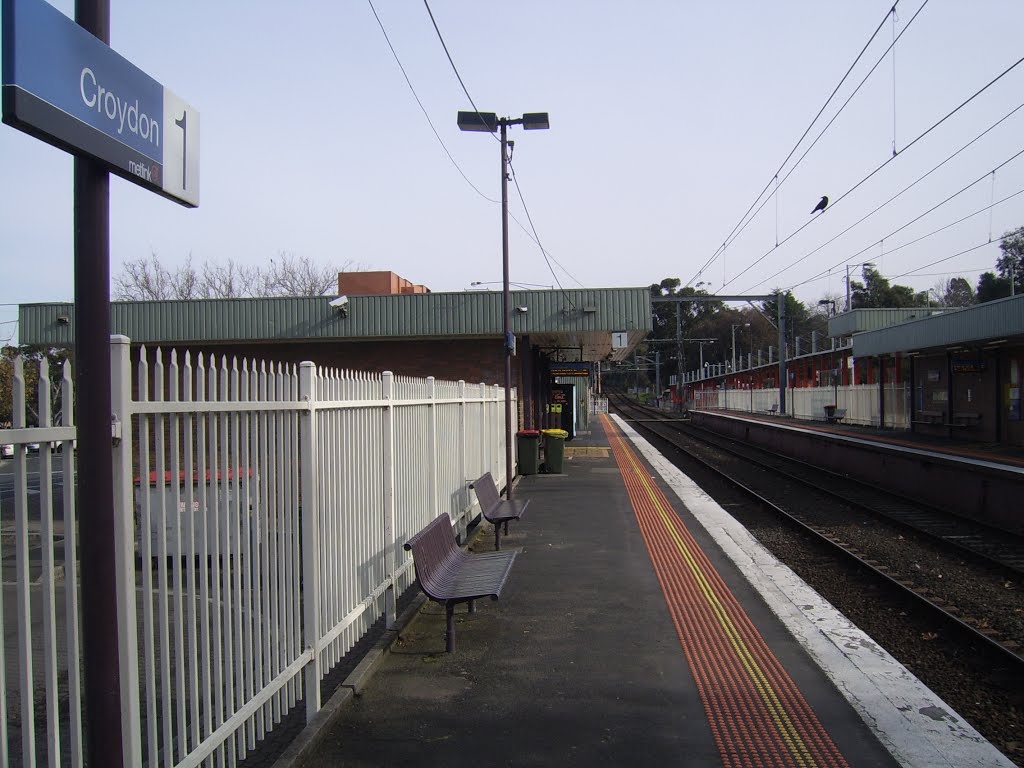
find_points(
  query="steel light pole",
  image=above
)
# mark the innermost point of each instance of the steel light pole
(734, 327)
(849, 306)
(489, 122)
(701, 344)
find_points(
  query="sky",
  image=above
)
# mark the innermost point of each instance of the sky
(668, 119)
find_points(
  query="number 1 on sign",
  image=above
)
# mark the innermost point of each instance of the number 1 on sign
(184, 146)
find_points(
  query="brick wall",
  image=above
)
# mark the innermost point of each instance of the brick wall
(471, 360)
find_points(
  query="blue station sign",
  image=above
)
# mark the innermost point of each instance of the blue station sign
(63, 85)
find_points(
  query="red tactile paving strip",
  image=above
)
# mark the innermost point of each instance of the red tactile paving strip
(757, 715)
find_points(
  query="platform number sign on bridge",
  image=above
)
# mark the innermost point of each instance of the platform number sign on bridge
(65, 87)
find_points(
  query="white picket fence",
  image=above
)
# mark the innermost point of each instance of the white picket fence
(859, 400)
(265, 509)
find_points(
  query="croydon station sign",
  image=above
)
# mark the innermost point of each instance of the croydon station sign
(63, 85)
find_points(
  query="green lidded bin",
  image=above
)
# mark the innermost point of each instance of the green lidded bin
(554, 450)
(528, 451)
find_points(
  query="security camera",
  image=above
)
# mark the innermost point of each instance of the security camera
(341, 301)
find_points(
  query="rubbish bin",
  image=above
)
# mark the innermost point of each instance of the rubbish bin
(528, 451)
(554, 450)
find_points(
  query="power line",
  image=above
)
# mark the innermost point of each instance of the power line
(423, 109)
(465, 90)
(920, 136)
(454, 68)
(891, 199)
(13, 333)
(537, 237)
(729, 237)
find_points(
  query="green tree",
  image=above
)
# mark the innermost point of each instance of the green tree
(31, 357)
(1008, 278)
(1011, 263)
(876, 292)
(957, 293)
(690, 315)
(992, 287)
(799, 320)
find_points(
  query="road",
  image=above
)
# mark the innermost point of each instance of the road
(7, 488)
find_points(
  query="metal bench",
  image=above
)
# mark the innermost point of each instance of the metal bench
(929, 417)
(835, 415)
(965, 419)
(495, 509)
(450, 576)
(774, 410)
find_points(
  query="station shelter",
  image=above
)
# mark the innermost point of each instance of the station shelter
(963, 367)
(382, 322)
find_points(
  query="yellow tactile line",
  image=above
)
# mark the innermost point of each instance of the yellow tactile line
(788, 731)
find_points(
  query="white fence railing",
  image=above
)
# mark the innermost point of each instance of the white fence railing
(264, 510)
(861, 402)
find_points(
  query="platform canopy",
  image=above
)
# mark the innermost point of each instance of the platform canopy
(582, 325)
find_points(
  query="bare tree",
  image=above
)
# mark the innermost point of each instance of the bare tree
(291, 275)
(227, 281)
(147, 279)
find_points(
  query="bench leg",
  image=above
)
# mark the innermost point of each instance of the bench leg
(471, 606)
(449, 635)
(497, 536)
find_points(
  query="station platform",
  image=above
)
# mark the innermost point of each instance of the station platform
(640, 625)
(956, 447)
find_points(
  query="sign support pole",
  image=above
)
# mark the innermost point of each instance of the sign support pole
(102, 696)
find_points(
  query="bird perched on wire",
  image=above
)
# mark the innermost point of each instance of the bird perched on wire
(821, 204)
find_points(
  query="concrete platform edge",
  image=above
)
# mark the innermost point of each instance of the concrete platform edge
(308, 740)
(918, 728)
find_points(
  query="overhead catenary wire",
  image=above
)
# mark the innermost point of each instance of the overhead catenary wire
(891, 199)
(919, 137)
(729, 237)
(840, 111)
(916, 240)
(947, 258)
(833, 203)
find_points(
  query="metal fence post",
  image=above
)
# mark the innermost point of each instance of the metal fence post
(499, 443)
(432, 462)
(124, 543)
(388, 465)
(309, 508)
(462, 437)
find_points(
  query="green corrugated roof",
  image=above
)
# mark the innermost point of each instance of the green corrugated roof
(1003, 318)
(428, 315)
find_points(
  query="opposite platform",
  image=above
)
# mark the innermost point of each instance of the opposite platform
(628, 634)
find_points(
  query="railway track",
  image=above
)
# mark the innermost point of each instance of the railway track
(988, 544)
(836, 511)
